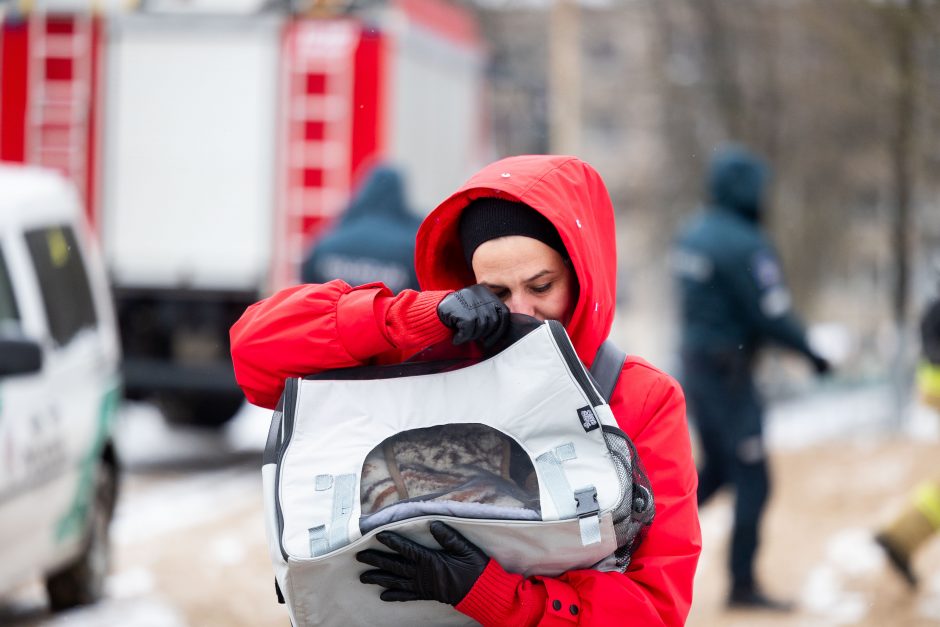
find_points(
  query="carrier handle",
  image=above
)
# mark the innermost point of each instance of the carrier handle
(271, 445)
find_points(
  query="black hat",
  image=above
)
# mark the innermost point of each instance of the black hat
(488, 218)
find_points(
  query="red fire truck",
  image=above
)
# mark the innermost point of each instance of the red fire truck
(212, 148)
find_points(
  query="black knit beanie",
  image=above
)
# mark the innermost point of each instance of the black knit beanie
(488, 218)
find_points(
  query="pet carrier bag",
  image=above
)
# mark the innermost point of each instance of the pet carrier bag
(519, 452)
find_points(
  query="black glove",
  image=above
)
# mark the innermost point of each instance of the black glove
(474, 313)
(416, 573)
(820, 364)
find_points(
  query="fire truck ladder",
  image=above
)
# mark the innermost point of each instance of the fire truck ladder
(319, 133)
(60, 63)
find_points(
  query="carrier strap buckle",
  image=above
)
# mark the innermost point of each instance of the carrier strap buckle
(586, 502)
(588, 512)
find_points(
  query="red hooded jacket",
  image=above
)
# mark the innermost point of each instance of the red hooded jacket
(310, 328)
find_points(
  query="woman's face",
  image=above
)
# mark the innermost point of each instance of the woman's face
(528, 275)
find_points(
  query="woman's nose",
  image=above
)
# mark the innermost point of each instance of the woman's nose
(521, 305)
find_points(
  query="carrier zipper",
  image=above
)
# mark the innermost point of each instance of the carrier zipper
(287, 430)
(574, 364)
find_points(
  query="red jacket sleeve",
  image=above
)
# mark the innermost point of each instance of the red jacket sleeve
(657, 587)
(310, 328)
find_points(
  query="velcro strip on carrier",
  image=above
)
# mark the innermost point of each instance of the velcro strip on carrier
(553, 476)
(590, 530)
(319, 543)
(344, 493)
(565, 452)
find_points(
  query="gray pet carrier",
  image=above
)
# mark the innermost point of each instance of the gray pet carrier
(519, 452)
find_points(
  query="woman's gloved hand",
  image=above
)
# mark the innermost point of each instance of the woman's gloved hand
(415, 572)
(474, 313)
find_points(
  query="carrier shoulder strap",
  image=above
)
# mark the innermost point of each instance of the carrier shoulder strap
(608, 362)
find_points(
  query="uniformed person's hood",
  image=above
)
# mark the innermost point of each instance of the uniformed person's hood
(565, 190)
(736, 182)
(382, 193)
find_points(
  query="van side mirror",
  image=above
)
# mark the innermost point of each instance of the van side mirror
(19, 356)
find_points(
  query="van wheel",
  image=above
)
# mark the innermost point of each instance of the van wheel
(82, 581)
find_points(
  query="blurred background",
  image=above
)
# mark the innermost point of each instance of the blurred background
(214, 143)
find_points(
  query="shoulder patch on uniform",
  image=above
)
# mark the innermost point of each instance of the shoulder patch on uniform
(775, 302)
(766, 270)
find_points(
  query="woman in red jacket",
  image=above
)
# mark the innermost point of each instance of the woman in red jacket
(532, 235)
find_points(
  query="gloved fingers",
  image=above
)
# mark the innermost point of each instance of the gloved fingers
(480, 295)
(391, 562)
(399, 595)
(498, 326)
(387, 580)
(450, 539)
(465, 332)
(400, 544)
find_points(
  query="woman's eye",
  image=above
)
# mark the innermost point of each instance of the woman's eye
(540, 289)
(501, 294)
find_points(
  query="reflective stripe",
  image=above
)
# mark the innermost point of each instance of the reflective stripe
(553, 476)
(344, 491)
(927, 502)
(928, 380)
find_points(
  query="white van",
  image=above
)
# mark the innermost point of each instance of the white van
(59, 391)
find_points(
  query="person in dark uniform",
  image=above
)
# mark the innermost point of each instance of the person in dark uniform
(733, 299)
(373, 241)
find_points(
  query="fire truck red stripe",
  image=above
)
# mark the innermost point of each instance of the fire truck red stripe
(367, 116)
(14, 48)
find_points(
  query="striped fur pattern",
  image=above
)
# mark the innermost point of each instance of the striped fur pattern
(467, 463)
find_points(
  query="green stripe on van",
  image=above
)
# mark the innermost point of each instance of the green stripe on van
(74, 520)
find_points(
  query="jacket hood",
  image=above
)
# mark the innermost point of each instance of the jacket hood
(382, 193)
(736, 182)
(567, 191)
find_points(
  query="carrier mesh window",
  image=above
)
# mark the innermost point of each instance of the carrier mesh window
(465, 470)
(634, 513)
